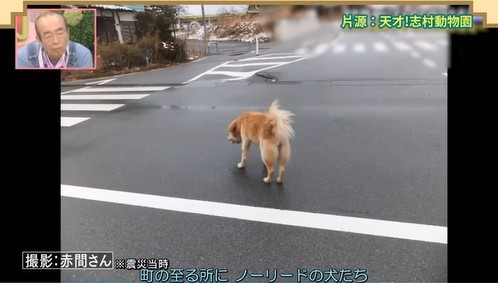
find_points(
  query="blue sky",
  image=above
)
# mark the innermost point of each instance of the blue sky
(212, 9)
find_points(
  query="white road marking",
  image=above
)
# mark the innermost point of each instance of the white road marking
(380, 47)
(415, 54)
(442, 42)
(90, 107)
(402, 46)
(119, 89)
(244, 75)
(359, 48)
(74, 90)
(383, 228)
(429, 63)
(230, 74)
(320, 49)
(206, 72)
(104, 97)
(249, 74)
(101, 82)
(294, 57)
(253, 64)
(259, 58)
(425, 45)
(71, 121)
(339, 48)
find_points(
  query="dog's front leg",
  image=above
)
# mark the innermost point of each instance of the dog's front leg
(245, 153)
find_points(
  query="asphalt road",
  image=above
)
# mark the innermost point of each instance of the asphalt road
(371, 143)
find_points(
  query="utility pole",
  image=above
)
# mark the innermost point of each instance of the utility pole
(204, 43)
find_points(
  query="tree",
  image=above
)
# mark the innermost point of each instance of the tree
(155, 29)
(227, 11)
(159, 20)
(145, 24)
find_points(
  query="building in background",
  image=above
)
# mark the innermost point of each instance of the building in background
(116, 22)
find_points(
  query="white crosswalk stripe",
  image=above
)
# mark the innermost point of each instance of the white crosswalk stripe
(104, 97)
(121, 89)
(96, 94)
(402, 46)
(429, 63)
(359, 48)
(425, 45)
(71, 121)
(380, 47)
(340, 48)
(90, 107)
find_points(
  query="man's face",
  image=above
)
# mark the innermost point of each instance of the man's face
(53, 35)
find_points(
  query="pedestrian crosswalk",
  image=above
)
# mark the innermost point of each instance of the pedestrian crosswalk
(424, 49)
(77, 103)
(385, 46)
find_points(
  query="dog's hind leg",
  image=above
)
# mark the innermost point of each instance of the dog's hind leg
(283, 159)
(269, 154)
(245, 152)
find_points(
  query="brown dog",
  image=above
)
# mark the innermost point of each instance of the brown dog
(271, 130)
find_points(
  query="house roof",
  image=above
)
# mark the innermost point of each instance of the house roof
(130, 8)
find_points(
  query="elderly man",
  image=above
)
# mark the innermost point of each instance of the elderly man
(52, 48)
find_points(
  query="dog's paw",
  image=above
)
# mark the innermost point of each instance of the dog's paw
(240, 165)
(267, 180)
(280, 181)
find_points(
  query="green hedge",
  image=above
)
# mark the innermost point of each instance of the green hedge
(81, 28)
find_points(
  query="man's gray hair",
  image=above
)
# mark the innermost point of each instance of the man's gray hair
(49, 13)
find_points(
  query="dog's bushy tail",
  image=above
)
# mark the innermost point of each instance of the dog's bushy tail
(283, 129)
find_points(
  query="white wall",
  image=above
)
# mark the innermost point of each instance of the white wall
(127, 16)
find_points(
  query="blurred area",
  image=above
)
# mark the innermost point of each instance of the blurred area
(283, 23)
(140, 37)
